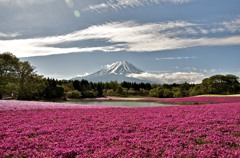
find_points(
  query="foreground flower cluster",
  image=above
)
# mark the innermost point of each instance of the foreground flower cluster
(180, 131)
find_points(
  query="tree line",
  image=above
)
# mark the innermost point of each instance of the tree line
(19, 80)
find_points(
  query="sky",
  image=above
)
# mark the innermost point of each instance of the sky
(172, 40)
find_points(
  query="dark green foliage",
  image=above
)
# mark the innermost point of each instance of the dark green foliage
(76, 85)
(100, 90)
(18, 79)
(125, 84)
(220, 84)
(88, 89)
(8, 69)
(88, 94)
(53, 91)
(74, 94)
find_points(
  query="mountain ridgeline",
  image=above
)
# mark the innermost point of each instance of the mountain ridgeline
(117, 71)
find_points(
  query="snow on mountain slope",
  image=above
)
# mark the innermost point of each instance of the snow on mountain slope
(119, 68)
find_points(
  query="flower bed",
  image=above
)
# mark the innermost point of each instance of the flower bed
(199, 99)
(27, 105)
(181, 131)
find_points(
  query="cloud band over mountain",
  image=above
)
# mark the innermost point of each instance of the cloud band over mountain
(168, 78)
(130, 36)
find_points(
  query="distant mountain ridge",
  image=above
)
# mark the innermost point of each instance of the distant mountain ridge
(117, 71)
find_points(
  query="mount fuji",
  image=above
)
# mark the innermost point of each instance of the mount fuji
(117, 71)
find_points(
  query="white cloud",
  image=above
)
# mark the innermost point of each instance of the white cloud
(175, 58)
(209, 70)
(152, 36)
(24, 2)
(159, 44)
(111, 32)
(9, 34)
(232, 25)
(203, 31)
(217, 30)
(121, 36)
(175, 77)
(54, 75)
(83, 75)
(121, 4)
(40, 46)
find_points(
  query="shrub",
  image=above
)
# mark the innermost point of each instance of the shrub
(74, 94)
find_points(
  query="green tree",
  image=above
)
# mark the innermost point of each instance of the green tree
(125, 84)
(113, 85)
(53, 91)
(100, 90)
(30, 85)
(12, 88)
(8, 67)
(154, 92)
(233, 84)
(120, 91)
(37, 85)
(157, 92)
(74, 94)
(180, 90)
(132, 92)
(196, 90)
(167, 93)
(143, 92)
(220, 84)
(25, 73)
(76, 85)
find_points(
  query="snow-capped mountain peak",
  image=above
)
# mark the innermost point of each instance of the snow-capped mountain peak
(117, 71)
(119, 68)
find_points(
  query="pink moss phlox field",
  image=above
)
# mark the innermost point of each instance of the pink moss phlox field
(199, 99)
(26, 105)
(202, 131)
